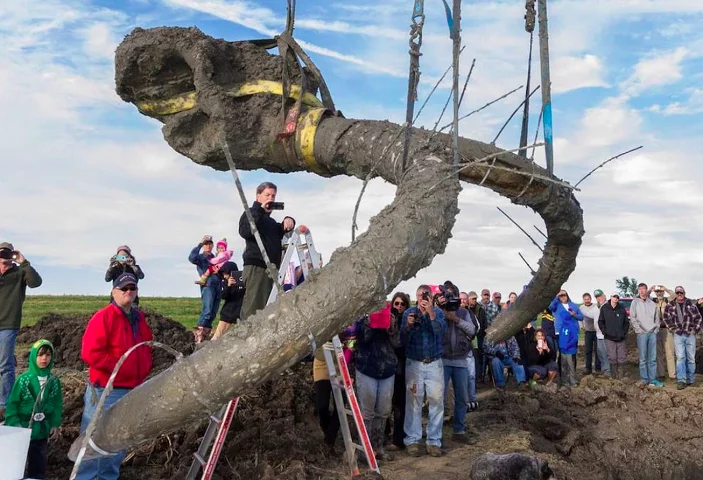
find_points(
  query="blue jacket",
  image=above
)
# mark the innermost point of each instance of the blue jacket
(374, 355)
(201, 262)
(423, 339)
(560, 314)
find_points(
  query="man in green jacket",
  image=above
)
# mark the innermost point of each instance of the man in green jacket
(16, 274)
(36, 402)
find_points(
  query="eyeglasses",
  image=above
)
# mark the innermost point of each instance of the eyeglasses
(562, 295)
(680, 293)
(129, 288)
(399, 304)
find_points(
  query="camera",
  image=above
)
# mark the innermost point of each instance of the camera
(451, 297)
(425, 295)
(7, 254)
(121, 258)
(276, 205)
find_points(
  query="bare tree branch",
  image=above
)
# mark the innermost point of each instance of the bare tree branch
(484, 107)
(540, 231)
(435, 88)
(521, 229)
(513, 114)
(468, 77)
(606, 162)
(532, 271)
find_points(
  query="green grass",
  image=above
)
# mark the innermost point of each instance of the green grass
(184, 310)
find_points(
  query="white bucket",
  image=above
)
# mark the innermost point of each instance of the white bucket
(14, 443)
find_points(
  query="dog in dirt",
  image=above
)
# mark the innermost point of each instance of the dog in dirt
(513, 466)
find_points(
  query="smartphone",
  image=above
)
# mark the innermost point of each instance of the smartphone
(121, 258)
(276, 205)
(540, 343)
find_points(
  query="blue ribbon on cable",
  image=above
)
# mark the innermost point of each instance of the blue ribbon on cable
(450, 20)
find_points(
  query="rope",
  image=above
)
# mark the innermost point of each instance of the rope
(526, 111)
(418, 21)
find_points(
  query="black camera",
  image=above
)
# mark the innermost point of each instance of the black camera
(276, 205)
(451, 303)
(7, 254)
(425, 295)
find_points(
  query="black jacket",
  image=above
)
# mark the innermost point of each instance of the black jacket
(271, 235)
(233, 297)
(524, 338)
(118, 268)
(533, 355)
(480, 317)
(613, 322)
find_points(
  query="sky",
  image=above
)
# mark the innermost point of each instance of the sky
(84, 172)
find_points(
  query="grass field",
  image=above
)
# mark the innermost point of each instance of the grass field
(182, 309)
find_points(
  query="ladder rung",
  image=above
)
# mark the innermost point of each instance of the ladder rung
(216, 419)
(199, 459)
(348, 412)
(358, 447)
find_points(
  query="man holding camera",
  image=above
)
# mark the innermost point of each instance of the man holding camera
(456, 343)
(16, 274)
(422, 330)
(256, 280)
(210, 293)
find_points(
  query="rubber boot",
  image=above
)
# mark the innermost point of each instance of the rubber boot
(614, 371)
(621, 371)
(378, 439)
(203, 278)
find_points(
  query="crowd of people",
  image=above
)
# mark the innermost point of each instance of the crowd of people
(405, 356)
(411, 359)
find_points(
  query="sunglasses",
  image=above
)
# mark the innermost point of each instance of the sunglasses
(129, 288)
(680, 293)
(399, 304)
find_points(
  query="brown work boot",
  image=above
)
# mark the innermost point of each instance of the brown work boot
(383, 456)
(464, 438)
(434, 451)
(414, 450)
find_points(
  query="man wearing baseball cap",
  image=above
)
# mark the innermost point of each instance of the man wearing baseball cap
(602, 350)
(613, 322)
(109, 334)
(684, 319)
(16, 274)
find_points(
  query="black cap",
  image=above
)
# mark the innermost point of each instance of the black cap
(124, 280)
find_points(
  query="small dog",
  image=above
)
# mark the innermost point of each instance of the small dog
(513, 466)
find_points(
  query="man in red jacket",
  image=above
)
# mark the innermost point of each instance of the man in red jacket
(109, 334)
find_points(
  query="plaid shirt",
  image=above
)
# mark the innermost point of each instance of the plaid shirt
(423, 340)
(492, 311)
(691, 318)
(510, 348)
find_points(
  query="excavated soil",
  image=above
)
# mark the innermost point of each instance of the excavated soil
(603, 429)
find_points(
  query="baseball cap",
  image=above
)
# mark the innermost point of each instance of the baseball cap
(485, 291)
(598, 292)
(614, 294)
(472, 294)
(6, 246)
(497, 295)
(679, 289)
(124, 280)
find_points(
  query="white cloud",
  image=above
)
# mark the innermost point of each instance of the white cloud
(572, 73)
(100, 40)
(609, 123)
(656, 70)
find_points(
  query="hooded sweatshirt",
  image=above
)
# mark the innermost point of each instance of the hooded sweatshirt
(644, 315)
(27, 392)
(13, 285)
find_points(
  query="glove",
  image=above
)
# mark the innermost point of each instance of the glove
(517, 361)
(500, 355)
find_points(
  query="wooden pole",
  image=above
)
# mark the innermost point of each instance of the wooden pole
(456, 48)
(546, 83)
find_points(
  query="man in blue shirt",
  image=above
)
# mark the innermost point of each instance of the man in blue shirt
(422, 330)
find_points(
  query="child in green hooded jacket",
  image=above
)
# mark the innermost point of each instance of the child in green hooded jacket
(36, 402)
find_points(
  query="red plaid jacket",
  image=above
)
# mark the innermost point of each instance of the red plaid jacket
(691, 318)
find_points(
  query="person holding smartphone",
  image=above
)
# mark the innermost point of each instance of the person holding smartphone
(566, 317)
(421, 331)
(541, 359)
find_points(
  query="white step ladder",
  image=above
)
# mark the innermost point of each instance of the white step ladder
(341, 381)
(220, 423)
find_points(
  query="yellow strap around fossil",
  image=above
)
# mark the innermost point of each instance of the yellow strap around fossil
(187, 101)
(305, 137)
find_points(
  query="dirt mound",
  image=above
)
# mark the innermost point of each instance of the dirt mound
(274, 435)
(66, 333)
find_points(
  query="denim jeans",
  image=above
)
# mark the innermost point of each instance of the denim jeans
(647, 347)
(685, 346)
(472, 379)
(591, 351)
(603, 356)
(211, 304)
(376, 402)
(420, 378)
(100, 468)
(460, 380)
(499, 376)
(8, 339)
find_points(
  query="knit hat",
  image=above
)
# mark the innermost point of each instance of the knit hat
(222, 243)
(125, 248)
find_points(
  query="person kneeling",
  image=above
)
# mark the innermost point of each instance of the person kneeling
(505, 354)
(541, 358)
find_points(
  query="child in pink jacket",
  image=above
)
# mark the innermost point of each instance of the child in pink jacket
(223, 256)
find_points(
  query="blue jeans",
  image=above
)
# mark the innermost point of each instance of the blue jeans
(100, 468)
(591, 351)
(376, 403)
(460, 379)
(211, 304)
(603, 356)
(472, 379)
(647, 346)
(420, 378)
(498, 375)
(685, 347)
(8, 338)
